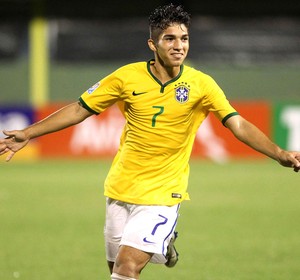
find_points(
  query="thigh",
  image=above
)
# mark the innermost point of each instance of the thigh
(150, 228)
(116, 217)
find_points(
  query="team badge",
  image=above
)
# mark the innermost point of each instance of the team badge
(93, 88)
(182, 92)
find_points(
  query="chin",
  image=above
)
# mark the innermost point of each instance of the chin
(176, 64)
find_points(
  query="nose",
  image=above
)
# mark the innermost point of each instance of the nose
(177, 44)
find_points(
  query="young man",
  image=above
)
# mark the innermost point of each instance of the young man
(164, 103)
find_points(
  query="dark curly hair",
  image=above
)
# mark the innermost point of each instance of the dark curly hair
(164, 16)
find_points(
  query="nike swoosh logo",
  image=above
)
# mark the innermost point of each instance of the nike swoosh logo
(147, 241)
(138, 93)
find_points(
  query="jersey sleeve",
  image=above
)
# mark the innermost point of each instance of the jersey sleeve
(216, 102)
(103, 94)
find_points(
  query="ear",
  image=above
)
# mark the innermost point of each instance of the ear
(152, 45)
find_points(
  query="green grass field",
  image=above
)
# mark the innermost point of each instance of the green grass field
(241, 224)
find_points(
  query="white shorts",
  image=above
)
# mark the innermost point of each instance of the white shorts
(148, 228)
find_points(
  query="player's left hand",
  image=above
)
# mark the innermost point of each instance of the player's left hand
(297, 167)
(290, 159)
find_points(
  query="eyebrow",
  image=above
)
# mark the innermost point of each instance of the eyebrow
(174, 36)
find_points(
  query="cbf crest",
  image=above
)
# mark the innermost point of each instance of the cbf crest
(182, 92)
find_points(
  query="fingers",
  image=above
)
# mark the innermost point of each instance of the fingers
(10, 156)
(3, 151)
(296, 162)
(9, 133)
(6, 144)
(297, 165)
(3, 146)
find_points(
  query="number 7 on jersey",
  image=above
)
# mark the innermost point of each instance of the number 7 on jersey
(161, 110)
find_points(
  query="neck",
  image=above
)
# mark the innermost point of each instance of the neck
(164, 74)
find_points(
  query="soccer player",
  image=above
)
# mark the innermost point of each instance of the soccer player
(164, 102)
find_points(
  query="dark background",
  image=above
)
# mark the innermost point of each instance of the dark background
(24, 9)
(228, 31)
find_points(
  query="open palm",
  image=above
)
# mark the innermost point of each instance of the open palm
(15, 141)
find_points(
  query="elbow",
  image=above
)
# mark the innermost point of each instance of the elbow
(238, 126)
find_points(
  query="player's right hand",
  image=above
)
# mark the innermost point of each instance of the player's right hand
(15, 141)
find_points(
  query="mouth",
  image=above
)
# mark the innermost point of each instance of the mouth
(177, 55)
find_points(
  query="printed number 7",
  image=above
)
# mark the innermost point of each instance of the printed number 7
(161, 110)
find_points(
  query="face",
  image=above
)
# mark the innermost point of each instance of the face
(172, 45)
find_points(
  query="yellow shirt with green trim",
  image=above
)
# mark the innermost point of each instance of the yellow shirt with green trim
(152, 164)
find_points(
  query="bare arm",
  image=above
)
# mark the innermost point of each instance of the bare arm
(67, 116)
(248, 133)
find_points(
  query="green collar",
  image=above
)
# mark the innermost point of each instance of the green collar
(158, 81)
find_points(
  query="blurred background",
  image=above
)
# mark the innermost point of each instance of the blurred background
(52, 51)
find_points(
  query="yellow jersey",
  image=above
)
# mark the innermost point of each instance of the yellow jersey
(152, 164)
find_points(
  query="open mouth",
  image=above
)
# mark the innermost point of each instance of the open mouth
(177, 55)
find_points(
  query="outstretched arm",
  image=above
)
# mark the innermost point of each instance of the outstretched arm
(63, 118)
(248, 133)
